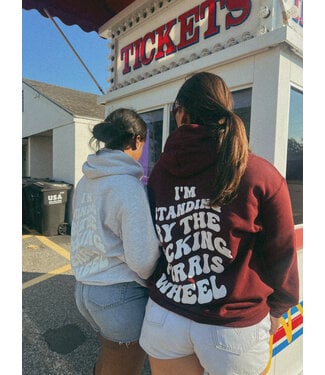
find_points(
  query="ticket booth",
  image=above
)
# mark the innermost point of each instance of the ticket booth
(256, 47)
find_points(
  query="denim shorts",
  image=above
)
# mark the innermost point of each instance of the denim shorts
(220, 350)
(114, 311)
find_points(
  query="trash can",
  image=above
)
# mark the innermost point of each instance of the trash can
(48, 201)
(26, 212)
(28, 200)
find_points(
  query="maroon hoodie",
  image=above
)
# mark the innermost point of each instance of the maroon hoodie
(228, 265)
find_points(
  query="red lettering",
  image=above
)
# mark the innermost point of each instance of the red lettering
(125, 56)
(300, 19)
(188, 34)
(158, 43)
(213, 28)
(244, 6)
(147, 60)
(137, 58)
(165, 40)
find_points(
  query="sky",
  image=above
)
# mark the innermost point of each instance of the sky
(47, 57)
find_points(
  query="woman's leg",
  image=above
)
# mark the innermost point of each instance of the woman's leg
(119, 359)
(117, 312)
(189, 365)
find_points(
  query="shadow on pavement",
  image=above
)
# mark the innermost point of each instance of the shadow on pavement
(56, 338)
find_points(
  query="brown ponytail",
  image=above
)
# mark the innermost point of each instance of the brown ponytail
(232, 151)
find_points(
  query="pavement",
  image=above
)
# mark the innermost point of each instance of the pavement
(56, 340)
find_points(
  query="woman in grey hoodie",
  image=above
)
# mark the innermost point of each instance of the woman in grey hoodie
(114, 247)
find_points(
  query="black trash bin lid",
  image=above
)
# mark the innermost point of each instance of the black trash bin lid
(45, 186)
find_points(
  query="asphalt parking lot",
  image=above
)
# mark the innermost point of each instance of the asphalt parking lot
(56, 340)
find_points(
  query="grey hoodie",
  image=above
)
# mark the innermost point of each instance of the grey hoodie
(113, 238)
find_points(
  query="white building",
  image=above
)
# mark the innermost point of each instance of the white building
(56, 124)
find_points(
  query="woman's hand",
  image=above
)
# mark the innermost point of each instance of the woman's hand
(275, 324)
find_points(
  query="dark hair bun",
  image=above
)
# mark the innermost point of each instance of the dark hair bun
(119, 129)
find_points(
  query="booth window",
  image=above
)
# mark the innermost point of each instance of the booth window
(153, 145)
(243, 106)
(294, 170)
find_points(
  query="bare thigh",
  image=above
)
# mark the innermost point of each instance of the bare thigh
(117, 358)
(189, 365)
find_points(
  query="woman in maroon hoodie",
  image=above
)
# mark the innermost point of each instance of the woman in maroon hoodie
(229, 265)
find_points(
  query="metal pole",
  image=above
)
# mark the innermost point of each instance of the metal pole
(73, 50)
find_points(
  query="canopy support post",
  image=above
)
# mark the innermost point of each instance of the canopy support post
(73, 50)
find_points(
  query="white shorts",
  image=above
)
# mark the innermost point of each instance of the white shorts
(220, 350)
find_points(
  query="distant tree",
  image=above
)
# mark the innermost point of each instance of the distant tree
(294, 160)
(294, 147)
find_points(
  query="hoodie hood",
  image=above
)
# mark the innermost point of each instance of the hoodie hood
(189, 150)
(107, 162)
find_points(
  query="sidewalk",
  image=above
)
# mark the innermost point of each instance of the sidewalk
(56, 339)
